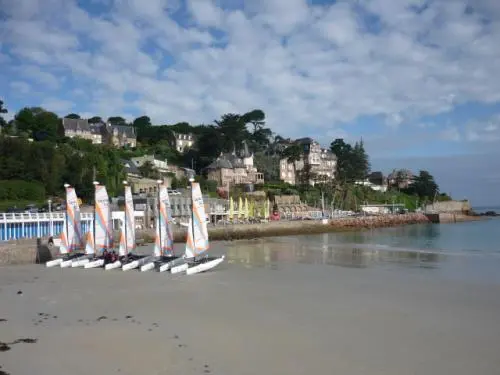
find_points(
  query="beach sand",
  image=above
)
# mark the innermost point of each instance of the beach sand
(279, 318)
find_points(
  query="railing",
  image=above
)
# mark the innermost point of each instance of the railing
(34, 225)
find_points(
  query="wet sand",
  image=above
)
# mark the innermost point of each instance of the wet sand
(252, 315)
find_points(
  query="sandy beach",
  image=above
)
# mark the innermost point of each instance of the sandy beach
(247, 317)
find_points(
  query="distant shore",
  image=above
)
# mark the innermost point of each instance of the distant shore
(290, 228)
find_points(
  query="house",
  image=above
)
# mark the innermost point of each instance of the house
(321, 163)
(160, 165)
(130, 169)
(80, 128)
(401, 179)
(234, 168)
(119, 135)
(183, 142)
(375, 181)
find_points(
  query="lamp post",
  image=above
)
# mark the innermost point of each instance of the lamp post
(95, 183)
(51, 223)
(158, 208)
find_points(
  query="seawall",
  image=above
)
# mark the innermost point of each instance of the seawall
(36, 250)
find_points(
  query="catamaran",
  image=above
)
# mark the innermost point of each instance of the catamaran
(127, 234)
(163, 252)
(102, 229)
(197, 243)
(71, 237)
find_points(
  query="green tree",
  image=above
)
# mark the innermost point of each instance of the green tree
(232, 130)
(73, 116)
(117, 120)
(38, 123)
(424, 186)
(3, 123)
(148, 170)
(95, 120)
(141, 122)
(360, 161)
(343, 151)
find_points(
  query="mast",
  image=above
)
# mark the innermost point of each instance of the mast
(66, 186)
(95, 213)
(125, 222)
(159, 182)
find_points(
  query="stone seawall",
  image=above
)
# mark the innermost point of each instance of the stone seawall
(33, 250)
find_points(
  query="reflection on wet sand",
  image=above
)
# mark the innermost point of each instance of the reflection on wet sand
(273, 252)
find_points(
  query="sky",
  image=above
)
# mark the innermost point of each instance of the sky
(418, 80)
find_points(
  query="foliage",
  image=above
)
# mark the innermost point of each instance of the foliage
(38, 123)
(269, 165)
(148, 170)
(352, 162)
(21, 190)
(3, 123)
(424, 186)
(73, 116)
(74, 161)
(117, 120)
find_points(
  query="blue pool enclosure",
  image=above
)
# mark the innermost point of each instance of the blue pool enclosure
(15, 226)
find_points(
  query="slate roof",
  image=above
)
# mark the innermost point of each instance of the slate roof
(130, 167)
(81, 125)
(129, 131)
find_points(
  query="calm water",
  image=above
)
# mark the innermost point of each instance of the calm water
(468, 251)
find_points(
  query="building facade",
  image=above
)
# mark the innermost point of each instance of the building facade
(81, 128)
(234, 168)
(320, 164)
(100, 133)
(183, 142)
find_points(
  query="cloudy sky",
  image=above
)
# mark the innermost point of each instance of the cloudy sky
(419, 80)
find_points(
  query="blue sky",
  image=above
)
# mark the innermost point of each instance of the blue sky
(418, 80)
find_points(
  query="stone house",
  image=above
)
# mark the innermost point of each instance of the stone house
(321, 163)
(234, 168)
(183, 142)
(81, 128)
(119, 135)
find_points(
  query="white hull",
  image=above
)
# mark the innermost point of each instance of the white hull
(54, 262)
(94, 264)
(137, 263)
(179, 269)
(202, 267)
(79, 262)
(173, 263)
(112, 266)
(147, 267)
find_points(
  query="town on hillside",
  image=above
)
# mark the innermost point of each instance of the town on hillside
(235, 155)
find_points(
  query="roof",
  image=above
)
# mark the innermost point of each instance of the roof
(80, 125)
(220, 163)
(130, 167)
(129, 131)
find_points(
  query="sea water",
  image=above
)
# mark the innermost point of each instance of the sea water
(469, 251)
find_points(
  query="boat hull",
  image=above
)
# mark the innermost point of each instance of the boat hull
(112, 266)
(137, 263)
(179, 268)
(205, 265)
(94, 264)
(169, 264)
(53, 262)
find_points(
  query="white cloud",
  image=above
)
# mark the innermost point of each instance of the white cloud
(57, 105)
(20, 87)
(305, 66)
(451, 133)
(47, 80)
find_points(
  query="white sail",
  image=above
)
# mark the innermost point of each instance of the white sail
(127, 235)
(103, 236)
(197, 239)
(71, 238)
(164, 239)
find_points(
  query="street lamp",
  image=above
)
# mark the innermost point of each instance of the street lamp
(51, 229)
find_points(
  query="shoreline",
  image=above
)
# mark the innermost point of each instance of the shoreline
(29, 251)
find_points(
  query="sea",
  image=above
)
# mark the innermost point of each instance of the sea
(467, 251)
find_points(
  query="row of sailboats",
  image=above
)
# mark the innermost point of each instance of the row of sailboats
(98, 245)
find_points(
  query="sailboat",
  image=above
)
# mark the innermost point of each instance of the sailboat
(127, 234)
(71, 238)
(197, 242)
(102, 229)
(163, 255)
